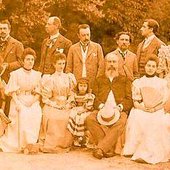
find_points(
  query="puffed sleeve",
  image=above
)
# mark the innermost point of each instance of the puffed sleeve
(136, 92)
(12, 85)
(72, 80)
(46, 87)
(165, 91)
(38, 86)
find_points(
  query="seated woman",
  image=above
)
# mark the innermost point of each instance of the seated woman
(25, 111)
(54, 134)
(148, 127)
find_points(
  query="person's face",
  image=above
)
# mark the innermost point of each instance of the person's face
(111, 63)
(84, 35)
(123, 42)
(145, 30)
(60, 65)
(82, 87)
(29, 61)
(4, 30)
(50, 27)
(150, 67)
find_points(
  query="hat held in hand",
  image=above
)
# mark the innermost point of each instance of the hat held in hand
(108, 115)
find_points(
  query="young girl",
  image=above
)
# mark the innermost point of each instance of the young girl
(82, 102)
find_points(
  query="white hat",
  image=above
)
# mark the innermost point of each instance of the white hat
(108, 116)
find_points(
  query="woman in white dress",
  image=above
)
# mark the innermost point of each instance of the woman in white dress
(25, 111)
(148, 126)
(54, 134)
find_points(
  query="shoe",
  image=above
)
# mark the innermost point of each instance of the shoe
(77, 142)
(109, 154)
(98, 153)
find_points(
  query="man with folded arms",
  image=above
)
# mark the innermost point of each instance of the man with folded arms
(112, 104)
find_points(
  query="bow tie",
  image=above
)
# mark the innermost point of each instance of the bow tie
(50, 42)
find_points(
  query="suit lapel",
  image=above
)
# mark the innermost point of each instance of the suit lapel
(9, 47)
(121, 60)
(90, 50)
(55, 46)
(78, 50)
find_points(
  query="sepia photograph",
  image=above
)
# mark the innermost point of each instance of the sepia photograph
(84, 85)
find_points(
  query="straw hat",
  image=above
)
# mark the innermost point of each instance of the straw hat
(108, 116)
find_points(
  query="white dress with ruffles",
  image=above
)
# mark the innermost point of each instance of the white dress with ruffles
(148, 134)
(25, 125)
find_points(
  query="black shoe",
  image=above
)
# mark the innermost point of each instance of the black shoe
(109, 154)
(98, 153)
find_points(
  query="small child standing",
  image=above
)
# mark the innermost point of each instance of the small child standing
(82, 103)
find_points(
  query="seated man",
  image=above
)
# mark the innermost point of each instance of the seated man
(112, 103)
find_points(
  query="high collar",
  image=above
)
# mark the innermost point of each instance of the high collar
(58, 73)
(55, 36)
(122, 52)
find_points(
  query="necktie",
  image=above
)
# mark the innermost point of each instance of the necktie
(84, 47)
(50, 42)
(3, 45)
(122, 54)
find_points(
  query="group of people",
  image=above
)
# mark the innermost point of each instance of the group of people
(78, 97)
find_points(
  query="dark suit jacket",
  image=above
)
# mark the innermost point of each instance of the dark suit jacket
(61, 43)
(94, 61)
(12, 55)
(152, 48)
(121, 88)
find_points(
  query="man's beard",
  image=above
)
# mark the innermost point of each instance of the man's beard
(111, 72)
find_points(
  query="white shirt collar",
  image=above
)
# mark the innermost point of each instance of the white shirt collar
(123, 52)
(148, 40)
(5, 39)
(54, 36)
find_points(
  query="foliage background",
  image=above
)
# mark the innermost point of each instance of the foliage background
(106, 18)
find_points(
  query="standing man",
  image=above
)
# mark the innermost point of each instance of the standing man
(112, 103)
(55, 43)
(128, 65)
(10, 50)
(85, 58)
(150, 45)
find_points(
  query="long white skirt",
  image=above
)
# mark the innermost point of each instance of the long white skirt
(24, 128)
(148, 136)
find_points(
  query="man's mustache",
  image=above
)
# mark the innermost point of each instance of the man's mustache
(111, 68)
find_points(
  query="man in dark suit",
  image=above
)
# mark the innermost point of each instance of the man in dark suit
(55, 43)
(10, 57)
(10, 50)
(85, 58)
(112, 103)
(150, 44)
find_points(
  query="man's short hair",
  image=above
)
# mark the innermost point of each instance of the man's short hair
(152, 24)
(83, 26)
(56, 21)
(6, 22)
(117, 36)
